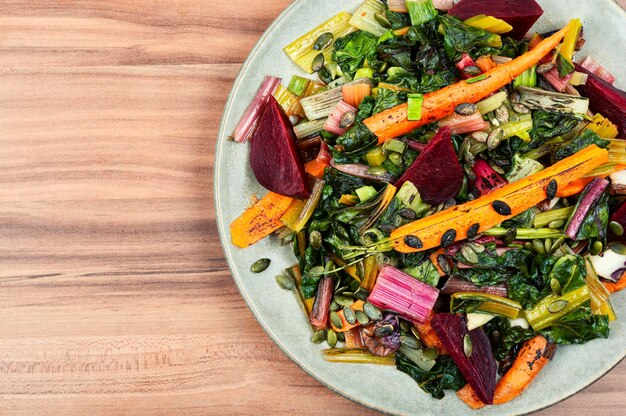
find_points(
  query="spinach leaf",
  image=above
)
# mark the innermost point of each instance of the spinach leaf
(491, 269)
(460, 38)
(528, 289)
(398, 20)
(366, 108)
(396, 52)
(546, 125)
(578, 327)
(350, 51)
(570, 271)
(445, 375)
(357, 138)
(508, 337)
(385, 99)
(425, 272)
(586, 138)
(312, 258)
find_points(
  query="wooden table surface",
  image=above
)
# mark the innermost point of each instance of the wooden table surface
(114, 294)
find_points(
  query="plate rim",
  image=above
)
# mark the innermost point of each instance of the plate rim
(224, 241)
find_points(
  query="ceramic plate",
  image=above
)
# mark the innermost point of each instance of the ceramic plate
(381, 387)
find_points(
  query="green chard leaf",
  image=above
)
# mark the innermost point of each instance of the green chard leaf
(578, 327)
(445, 375)
(352, 50)
(586, 138)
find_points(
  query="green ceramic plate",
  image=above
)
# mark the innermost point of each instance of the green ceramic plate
(385, 388)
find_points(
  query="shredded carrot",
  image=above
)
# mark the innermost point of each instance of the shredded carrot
(528, 363)
(428, 336)
(353, 94)
(260, 220)
(485, 63)
(469, 397)
(617, 286)
(441, 103)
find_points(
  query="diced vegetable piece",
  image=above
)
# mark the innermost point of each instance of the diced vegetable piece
(487, 179)
(317, 166)
(288, 101)
(477, 319)
(469, 397)
(353, 94)
(553, 77)
(401, 293)
(428, 335)
(301, 50)
(491, 103)
(398, 6)
(471, 351)
(523, 167)
(274, 158)
(459, 124)
(489, 23)
(485, 63)
(443, 4)
(376, 157)
(528, 363)
(320, 105)
(527, 79)
(309, 128)
(345, 325)
(542, 219)
(594, 67)
(334, 121)
(519, 196)
(602, 127)
(363, 73)
(365, 192)
(362, 171)
(298, 85)
(421, 11)
(291, 215)
(605, 98)
(578, 78)
(356, 356)
(536, 98)
(517, 128)
(251, 117)
(364, 17)
(466, 61)
(454, 285)
(436, 172)
(521, 14)
(353, 338)
(321, 307)
(438, 104)
(484, 302)
(551, 308)
(588, 202)
(260, 220)
(393, 145)
(610, 265)
(414, 110)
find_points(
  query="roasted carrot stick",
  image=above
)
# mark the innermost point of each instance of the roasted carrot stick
(469, 397)
(259, 221)
(441, 103)
(528, 363)
(577, 186)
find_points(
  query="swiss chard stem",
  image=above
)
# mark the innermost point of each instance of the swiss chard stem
(544, 218)
(356, 356)
(525, 233)
(553, 307)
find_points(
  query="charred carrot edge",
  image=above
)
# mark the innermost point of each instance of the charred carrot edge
(434, 260)
(469, 397)
(617, 286)
(578, 185)
(428, 336)
(345, 326)
(518, 196)
(441, 103)
(485, 63)
(528, 363)
(260, 220)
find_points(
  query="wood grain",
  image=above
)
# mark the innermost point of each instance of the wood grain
(114, 294)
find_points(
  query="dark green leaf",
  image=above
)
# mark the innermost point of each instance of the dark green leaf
(445, 375)
(351, 51)
(578, 327)
(586, 138)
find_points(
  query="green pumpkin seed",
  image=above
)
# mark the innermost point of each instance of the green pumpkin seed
(480, 136)
(315, 239)
(542, 69)
(469, 254)
(448, 238)
(555, 285)
(557, 306)
(619, 249)
(316, 271)
(285, 282)
(444, 264)
(372, 312)
(596, 248)
(396, 159)
(260, 265)
(408, 214)
(430, 354)
(502, 114)
(323, 41)
(383, 331)
(510, 235)
(336, 320)
(382, 20)
(467, 345)
(411, 342)
(349, 314)
(325, 76)
(529, 246)
(377, 171)
(343, 300)
(478, 248)
(616, 228)
(341, 337)
(334, 306)
(331, 338)
(415, 332)
(318, 62)
(556, 224)
(347, 119)
(318, 337)
(362, 294)
(362, 318)
(494, 138)
(465, 109)
(539, 247)
(514, 97)
(547, 245)
(557, 244)
(520, 108)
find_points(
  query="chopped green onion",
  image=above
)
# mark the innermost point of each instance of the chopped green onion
(376, 156)
(414, 111)
(393, 145)
(491, 103)
(365, 192)
(476, 79)
(421, 11)
(298, 85)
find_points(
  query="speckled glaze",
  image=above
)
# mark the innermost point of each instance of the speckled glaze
(380, 387)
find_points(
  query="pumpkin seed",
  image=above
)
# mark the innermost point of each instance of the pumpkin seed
(430, 354)
(341, 337)
(557, 306)
(551, 189)
(596, 248)
(362, 317)
(502, 114)
(529, 246)
(325, 76)
(557, 244)
(396, 159)
(547, 244)
(555, 285)
(469, 254)
(323, 41)
(318, 62)
(334, 306)
(463, 149)
(411, 342)
(407, 214)
(510, 235)
(556, 224)
(361, 294)
(494, 138)
(514, 97)
(479, 248)
(349, 314)
(318, 336)
(372, 312)
(497, 168)
(467, 346)
(383, 331)
(347, 119)
(539, 247)
(616, 228)
(285, 282)
(344, 300)
(336, 320)
(404, 327)
(260, 265)
(619, 249)
(520, 108)
(473, 230)
(444, 264)
(542, 69)
(316, 271)
(472, 70)
(480, 136)
(449, 203)
(315, 239)
(331, 338)
(415, 332)
(413, 242)
(465, 109)
(501, 207)
(382, 20)
(377, 171)
(469, 171)
(448, 238)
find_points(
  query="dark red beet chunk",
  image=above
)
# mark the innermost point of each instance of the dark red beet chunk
(274, 157)
(521, 14)
(436, 173)
(619, 217)
(487, 179)
(605, 99)
(479, 369)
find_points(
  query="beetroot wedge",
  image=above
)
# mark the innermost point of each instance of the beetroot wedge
(473, 356)
(274, 157)
(619, 217)
(521, 14)
(605, 99)
(436, 173)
